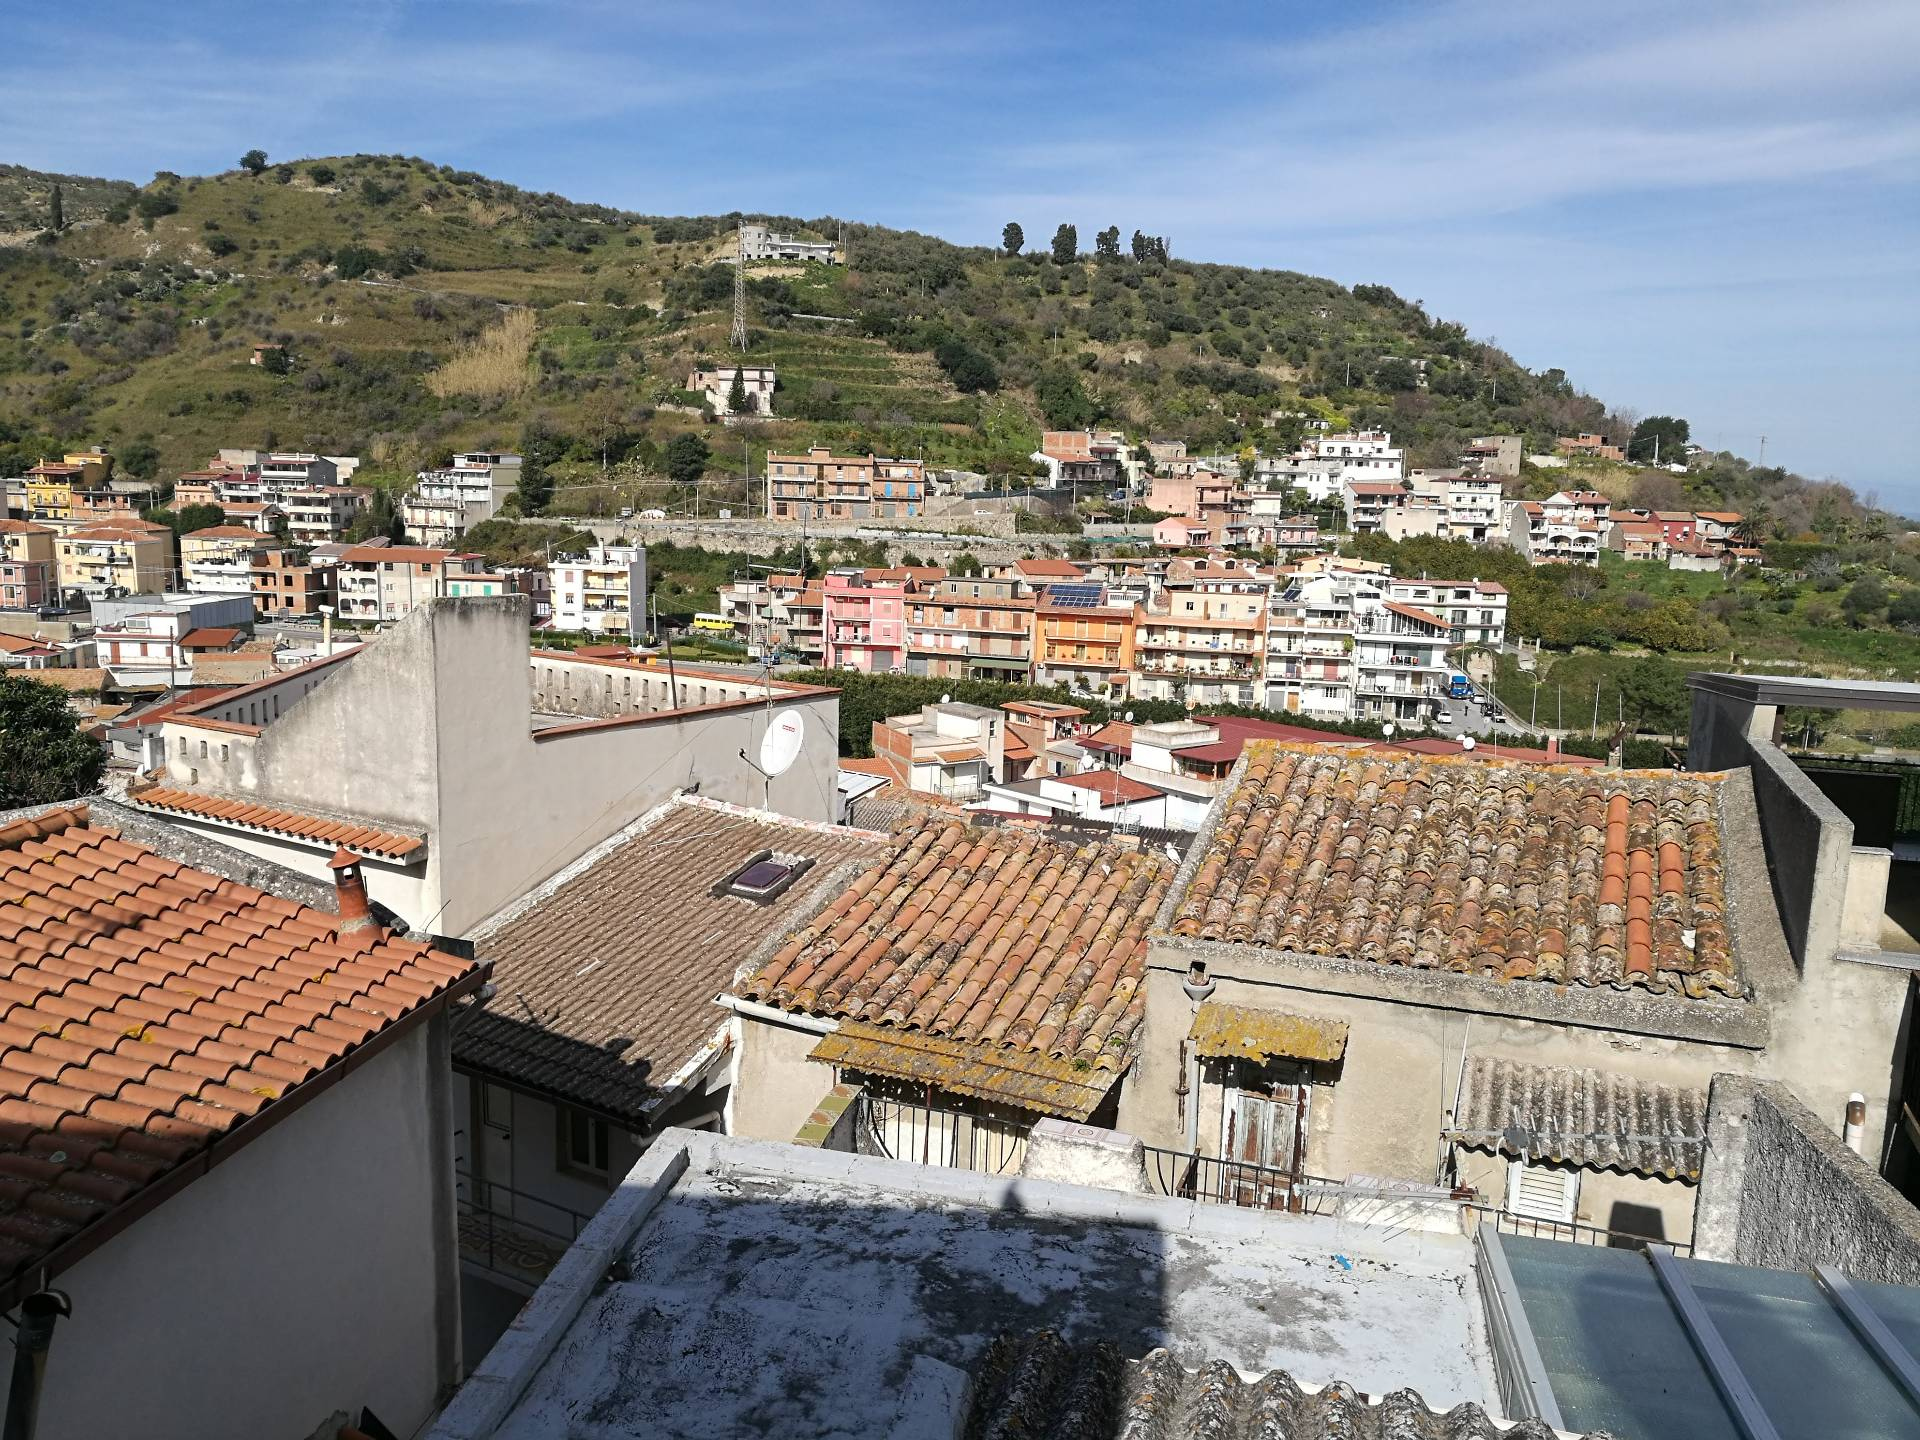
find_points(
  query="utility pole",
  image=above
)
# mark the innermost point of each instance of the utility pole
(1762, 463)
(1596, 706)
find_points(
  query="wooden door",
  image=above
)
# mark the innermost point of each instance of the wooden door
(1264, 1145)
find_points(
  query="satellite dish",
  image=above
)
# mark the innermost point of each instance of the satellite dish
(946, 699)
(1466, 742)
(1128, 717)
(1386, 730)
(780, 746)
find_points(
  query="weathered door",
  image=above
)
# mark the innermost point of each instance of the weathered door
(1264, 1146)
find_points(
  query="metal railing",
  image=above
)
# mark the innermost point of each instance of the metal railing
(959, 1139)
(511, 1232)
(1475, 1213)
(1187, 1176)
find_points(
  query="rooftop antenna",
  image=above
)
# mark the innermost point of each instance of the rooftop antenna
(738, 339)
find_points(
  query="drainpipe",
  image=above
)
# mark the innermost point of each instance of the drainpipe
(1856, 1129)
(38, 1315)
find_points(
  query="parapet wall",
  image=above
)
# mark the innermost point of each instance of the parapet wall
(1781, 1190)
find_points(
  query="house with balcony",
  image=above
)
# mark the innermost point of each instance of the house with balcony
(603, 592)
(1096, 459)
(1718, 528)
(1202, 638)
(1400, 666)
(446, 503)
(797, 625)
(1589, 445)
(865, 619)
(1470, 504)
(949, 751)
(1637, 539)
(1043, 738)
(29, 577)
(1367, 502)
(820, 485)
(113, 499)
(1498, 456)
(220, 560)
(283, 470)
(1083, 638)
(119, 557)
(1565, 529)
(1475, 610)
(321, 514)
(379, 583)
(969, 627)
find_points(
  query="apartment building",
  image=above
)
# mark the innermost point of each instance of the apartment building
(446, 503)
(1202, 638)
(220, 560)
(285, 587)
(1349, 643)
(820, 485)
(603, 592)
(1718, 528)
(385, 582)
(282, 470)
(1567, 528)
(714, 384)
(865, 619)
(1368, 501)
(1496, 455)
(949, 751)
(1206, 496)
(112, 499)
(123, 557)
(758, 243)
(320, 514)
(1469, 503)
(970, 627)
(28, 577)
(1083, 638)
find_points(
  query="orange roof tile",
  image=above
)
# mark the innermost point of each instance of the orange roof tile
(1038, 565)
(1414, 612)
(386, 844)
(209, 637)
(866, 765)
(1571, 876)
(1112, 787)
(1007, 940)
(22, 527)
(148, 1012)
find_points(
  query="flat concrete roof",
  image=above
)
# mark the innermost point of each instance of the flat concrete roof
(736, 1287)
(1809, 690)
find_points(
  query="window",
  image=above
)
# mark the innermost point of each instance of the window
(583, 1143)
(1542, 1192)
(764, 877)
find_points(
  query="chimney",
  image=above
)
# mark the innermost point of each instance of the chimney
(350, 893)
(1553, 744)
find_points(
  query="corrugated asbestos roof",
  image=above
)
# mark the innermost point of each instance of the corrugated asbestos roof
(1008, 1076)
(1542, 872)
(1592, 1118)
(1242, 1033)
(1038, 1387)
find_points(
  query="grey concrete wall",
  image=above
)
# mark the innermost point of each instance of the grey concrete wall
(311, 1273)
(1782, 1191)
(990, 537)
(775, 1087)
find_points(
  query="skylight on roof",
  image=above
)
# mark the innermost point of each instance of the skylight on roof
(765, 876)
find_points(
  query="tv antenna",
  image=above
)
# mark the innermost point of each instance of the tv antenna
(738, 339)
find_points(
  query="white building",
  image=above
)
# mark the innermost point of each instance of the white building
(757, 242)
(219, 560)
(444, 504)
(603, 592)
(383, 582)
(715, 386)
(1470, 503)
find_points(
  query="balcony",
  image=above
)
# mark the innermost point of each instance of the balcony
(511, 1232)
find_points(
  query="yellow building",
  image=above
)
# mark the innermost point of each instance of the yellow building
(133, 557)
(50, 484)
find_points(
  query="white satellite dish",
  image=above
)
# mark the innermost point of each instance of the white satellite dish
(1466, 742)
(780, 746)
(946, 699)
(1128, 717)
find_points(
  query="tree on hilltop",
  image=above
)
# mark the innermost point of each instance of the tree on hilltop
(254, 161)
(56, 211)
(1012, 237)
(1066, 245)
(1664, 436)
(1106, 245)
(687, 456)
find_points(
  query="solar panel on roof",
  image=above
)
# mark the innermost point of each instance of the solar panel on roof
(1075, 596)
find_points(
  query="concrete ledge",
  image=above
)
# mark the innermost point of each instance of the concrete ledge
(831, 1122)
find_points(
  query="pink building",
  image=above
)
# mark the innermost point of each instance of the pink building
(866, 619)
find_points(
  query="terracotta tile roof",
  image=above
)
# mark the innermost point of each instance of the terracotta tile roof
(1112, 787)
(1578, 877)
(77, 680)
(211, 637)
(347, 834)
(1237, 730)
(230, 532)
(607, 978)
(867, 765)
(1414, 612)
(147, 1010)
(404, 554)
(22, 527)
(960, 754)
(1114, 735)
(23, 645)
(1007, 939)
(1040, 565)
(1521, 754)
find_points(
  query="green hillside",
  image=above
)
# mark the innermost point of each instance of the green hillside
(136, 323)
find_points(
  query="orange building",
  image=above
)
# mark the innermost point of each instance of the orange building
(1082, 640)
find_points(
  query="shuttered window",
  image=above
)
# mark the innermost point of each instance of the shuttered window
(1540, 1192)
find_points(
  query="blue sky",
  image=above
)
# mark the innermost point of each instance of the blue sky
(1708, 209)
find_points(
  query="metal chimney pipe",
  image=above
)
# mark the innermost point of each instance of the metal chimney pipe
(1856, 1128)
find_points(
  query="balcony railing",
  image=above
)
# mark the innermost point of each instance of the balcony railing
(511, 1232)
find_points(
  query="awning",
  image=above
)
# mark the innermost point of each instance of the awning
(994, 662)
(1008, 1076)
(1594, 1118)
(1242, 1033)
